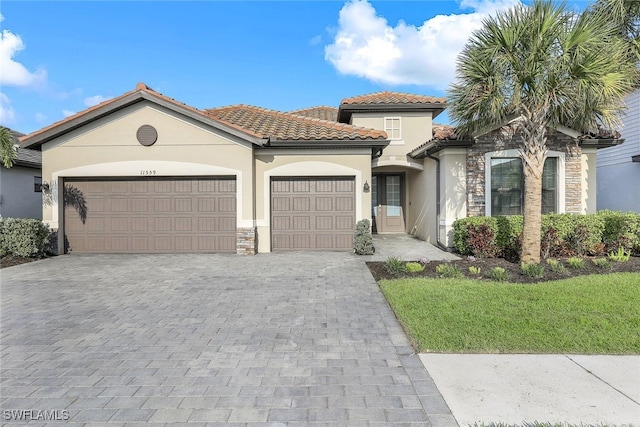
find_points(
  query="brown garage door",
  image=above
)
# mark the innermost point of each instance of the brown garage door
(312, 213)
(150, 215)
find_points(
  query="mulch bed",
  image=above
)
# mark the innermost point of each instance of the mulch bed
(486, 264)
(10, 260)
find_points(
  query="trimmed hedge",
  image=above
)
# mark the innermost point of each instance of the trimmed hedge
(563, 235)
(23, 237)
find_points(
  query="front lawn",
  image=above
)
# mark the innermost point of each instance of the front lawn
(596, 314)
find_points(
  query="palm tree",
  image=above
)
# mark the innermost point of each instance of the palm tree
(545, 66)
(7, 150)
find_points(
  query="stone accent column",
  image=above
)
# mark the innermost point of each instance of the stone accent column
(246, 241)
(573, 179)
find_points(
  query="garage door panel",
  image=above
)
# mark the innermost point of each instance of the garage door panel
(151, 215)
(310, 213)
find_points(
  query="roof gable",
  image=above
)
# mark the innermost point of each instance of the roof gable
(141, 93)
(389, 102)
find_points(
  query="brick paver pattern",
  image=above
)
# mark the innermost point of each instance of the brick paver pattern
(273, 340)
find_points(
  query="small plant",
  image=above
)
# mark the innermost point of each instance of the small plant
(414, 267)
(363, 241)
(475, 271)
(535, 271)
(602, 263)
(448, 271)
(620, 256)
(499, 274)
(395, 266)
(576, 263)
(556, 266)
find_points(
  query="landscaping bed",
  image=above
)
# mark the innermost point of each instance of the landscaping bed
(10, 260)
(513, 269)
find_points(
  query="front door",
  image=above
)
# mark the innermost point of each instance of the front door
(387, 201)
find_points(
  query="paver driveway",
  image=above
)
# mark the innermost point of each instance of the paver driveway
(275, 339)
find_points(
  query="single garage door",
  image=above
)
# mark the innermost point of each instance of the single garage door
(312, 213)
(150, 215)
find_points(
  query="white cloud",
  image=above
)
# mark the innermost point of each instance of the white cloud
(365, 45)
(14, 73)
(316, 40)
(68, 113)
(90, 101)
(7, 113)
(41, 118)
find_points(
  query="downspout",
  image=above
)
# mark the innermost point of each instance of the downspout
(438, 242)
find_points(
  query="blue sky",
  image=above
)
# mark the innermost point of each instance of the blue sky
(58, 58)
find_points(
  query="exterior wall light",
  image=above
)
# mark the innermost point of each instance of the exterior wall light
(366, 187)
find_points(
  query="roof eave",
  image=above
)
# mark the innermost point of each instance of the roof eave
(345, 110)
(26, 164)
(326, 143)
(601, 143)
(436, 145)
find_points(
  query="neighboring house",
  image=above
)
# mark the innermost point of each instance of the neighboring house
(619, 167)
(145, 173)
(20, 185)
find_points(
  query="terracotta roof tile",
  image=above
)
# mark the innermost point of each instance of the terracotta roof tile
(444, 132)
(387, 97)
(321, 112)
(288, 126)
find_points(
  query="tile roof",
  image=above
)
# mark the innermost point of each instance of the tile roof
(387, 97)
(444, 132)
(293, 127)
(321, 112)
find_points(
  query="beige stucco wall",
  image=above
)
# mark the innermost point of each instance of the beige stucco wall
(415, 130)
(301, 163)
(453, 191)
(421, 202)
(589, 180)
(185, 147)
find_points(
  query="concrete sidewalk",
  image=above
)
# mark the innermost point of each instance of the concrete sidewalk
(524, 388)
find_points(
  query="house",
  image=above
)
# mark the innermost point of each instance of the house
(20, 185)
(619, 167)
(145, 173)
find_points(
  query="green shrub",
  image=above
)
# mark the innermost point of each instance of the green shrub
(601, 263)
(509, 236)
(475, 271)
(620, 256)
(621, 230)
(363, 241)
(535, 271)
(448, 271)
(414, 267)
(556, 266)
(499, 274)
(576, 263)
(395, 266)
(483, 231)
(23, 237)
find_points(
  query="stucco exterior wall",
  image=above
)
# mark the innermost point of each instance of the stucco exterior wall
(17, 196)
(415, 130)
(421, 201)
(304, 163)
(453, 190)
(108, 147)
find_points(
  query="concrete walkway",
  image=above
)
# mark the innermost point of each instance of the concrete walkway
(520, 388)
(270, 340)
(405, 247)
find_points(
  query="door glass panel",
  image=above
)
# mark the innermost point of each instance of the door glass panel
(374, 195)
(393, 195)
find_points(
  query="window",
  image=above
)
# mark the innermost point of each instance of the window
(507, 186)
(392, 127)
(37, 184)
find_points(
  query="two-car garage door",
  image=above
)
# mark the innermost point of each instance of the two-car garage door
(150, 215)
(312, 213)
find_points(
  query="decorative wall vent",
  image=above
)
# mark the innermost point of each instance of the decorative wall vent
(147, 135)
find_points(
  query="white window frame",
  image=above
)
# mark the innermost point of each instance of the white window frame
(398, 140)
(560, 173)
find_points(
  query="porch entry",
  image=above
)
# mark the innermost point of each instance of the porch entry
(387, 202)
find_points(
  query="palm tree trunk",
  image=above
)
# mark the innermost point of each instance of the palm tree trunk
(532, 213)
(533, 151)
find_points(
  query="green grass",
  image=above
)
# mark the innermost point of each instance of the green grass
(595, 314)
